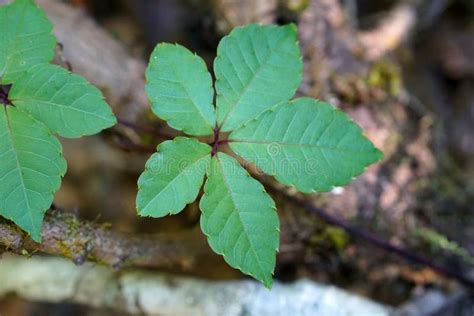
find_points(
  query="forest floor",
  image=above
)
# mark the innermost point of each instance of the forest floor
(415, 101)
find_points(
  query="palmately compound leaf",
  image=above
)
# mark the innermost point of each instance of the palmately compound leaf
(26, 39)
(30, 170)
(41, 100)
(173, 177)
(256, 68)
(240, 219)
(180, 90)
(66, 103)
(306, 143)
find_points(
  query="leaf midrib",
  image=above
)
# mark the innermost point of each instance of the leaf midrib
(180, 82)
(315, 146)
(247, 86)
(240, 217)
(18, 167)
(63, 106)
(173, 180)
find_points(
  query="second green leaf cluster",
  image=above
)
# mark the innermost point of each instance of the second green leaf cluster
(37, 101)
(304, 142)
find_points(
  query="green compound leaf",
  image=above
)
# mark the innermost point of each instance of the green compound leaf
(26, 39)
(173, 177)
(239, 219)
(306, 143)
(30, 170)
(66, 103)
(179, 87)
(256, 68)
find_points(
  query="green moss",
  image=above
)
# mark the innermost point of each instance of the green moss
(72, 223)
(330, 237)
(337, 236)
(438, 242)
(386, 76)
(297, 6)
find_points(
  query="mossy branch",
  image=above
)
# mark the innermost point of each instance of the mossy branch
(65, 235)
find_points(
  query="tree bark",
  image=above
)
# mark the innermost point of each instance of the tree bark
(64, 235)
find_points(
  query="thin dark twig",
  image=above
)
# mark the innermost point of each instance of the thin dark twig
(378, 241)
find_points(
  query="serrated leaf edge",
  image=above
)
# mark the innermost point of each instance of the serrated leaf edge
(349, 119)
(168, 120)
(187, 202)
(100, 96)
(42, 12)
(232, 34)
(267, 283)
(38, 237)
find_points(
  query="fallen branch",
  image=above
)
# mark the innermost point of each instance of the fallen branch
(65, 235)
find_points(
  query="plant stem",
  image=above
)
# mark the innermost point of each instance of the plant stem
(215, 143)
(4, 90)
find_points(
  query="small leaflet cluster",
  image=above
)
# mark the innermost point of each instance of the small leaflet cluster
(37, 101)
(305, 143)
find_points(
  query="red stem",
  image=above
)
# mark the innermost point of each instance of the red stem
(215, 143)
(4, 90)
